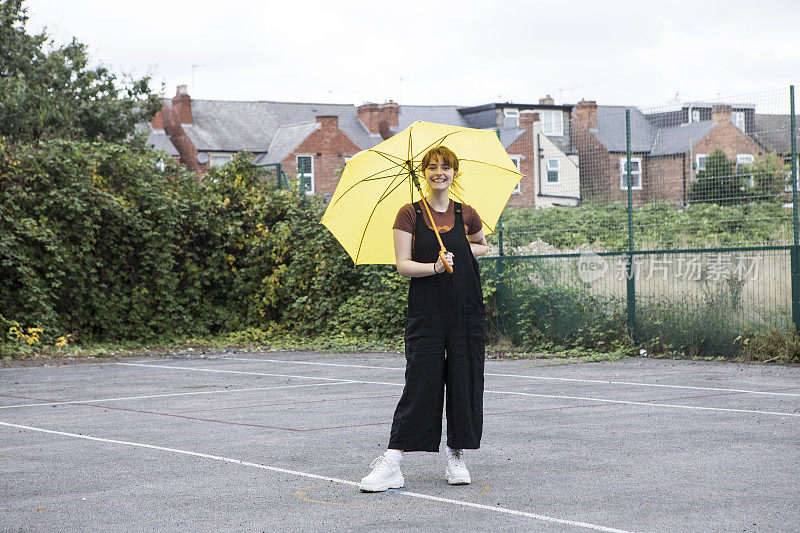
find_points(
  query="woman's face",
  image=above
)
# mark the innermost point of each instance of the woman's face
(438, 174)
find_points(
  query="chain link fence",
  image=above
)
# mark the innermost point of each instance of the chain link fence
(678, 222)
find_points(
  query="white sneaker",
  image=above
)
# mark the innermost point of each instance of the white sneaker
(385, 475)
(457, 473)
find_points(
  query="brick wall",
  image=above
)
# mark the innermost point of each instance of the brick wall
(328, 146)
(524, 147)
(727, 137)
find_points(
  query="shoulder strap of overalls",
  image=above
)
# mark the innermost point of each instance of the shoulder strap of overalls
(459, 217)
(418, 219)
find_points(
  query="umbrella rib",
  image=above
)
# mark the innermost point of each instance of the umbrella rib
(441, 139)
(385, 195)
(388, 156)
(479, 215)
(492, 165)
(372, 177)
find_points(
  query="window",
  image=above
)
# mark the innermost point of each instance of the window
(218, 160)
(695, 115)
(305, 173)
(701, 160)
(552, 122)
(517, 159)
(510, 118)
(553, 166)
(636, 173)
(738, 119)
(747, 160)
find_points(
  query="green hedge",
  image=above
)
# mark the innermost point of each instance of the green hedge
(97, 242)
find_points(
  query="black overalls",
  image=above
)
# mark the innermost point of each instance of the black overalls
(445, 316)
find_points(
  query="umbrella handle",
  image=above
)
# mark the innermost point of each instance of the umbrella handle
(447, 265)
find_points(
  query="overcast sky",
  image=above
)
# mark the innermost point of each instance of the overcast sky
(463, 52)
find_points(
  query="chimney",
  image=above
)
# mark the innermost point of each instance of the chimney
(721, 113)
(172, 121)
(547, 100)
(388, 116)
(527, 118)
(157, 122)
(369, 115)
(586, 113)
(182, 105)
(329, 123)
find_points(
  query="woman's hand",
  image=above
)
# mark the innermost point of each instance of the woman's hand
(439, 266)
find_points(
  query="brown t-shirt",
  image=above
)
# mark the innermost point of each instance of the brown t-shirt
(407, 218)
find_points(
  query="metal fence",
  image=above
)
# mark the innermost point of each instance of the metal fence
(681, 222)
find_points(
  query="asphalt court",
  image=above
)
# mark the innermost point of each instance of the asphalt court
(278, 441)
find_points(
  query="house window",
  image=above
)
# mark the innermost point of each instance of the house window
(738, 119)
(510, 118)
(552, 122)
(747, 160)
(701, 160)
(553, 167)
(695, 115)
(305, 173)
(517, 159)
(636, 173)
(219, 160)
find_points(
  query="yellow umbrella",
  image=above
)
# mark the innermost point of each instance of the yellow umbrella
(377, 182)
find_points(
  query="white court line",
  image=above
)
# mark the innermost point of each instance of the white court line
(343, 380)
(597, 381)
(493, 508)
(61, 402)
(677, 406)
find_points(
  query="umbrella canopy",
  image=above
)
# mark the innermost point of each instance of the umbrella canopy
(377, 182)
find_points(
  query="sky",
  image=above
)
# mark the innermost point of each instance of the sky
(423, 52)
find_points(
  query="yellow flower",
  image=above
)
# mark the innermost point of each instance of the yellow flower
(227, 201)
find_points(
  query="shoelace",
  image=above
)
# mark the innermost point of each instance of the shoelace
(456, 458)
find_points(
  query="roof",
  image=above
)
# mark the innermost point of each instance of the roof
(645, 137)
(441, 114)
(286, 139)
(259, 126)
(484, 107)
(611, 129)
(158, 139)
(679, 139)
(509, 136)
(772, 131)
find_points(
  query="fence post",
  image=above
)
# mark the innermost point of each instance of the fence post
(795, 253)
(629, 270)
(501, 292)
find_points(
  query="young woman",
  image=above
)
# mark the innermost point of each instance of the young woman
(444, 334)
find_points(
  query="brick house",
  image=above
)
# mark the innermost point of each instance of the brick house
(313, 141)
(537, 137)
(668, 148)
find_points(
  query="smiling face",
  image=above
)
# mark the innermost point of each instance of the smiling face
(440, 168)
(439, 174)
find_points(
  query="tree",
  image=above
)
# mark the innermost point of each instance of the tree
(719, 182)
(50, 91)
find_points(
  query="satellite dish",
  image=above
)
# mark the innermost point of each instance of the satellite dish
(202, 158)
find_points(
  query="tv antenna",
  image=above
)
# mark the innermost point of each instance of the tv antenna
(195, 66)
